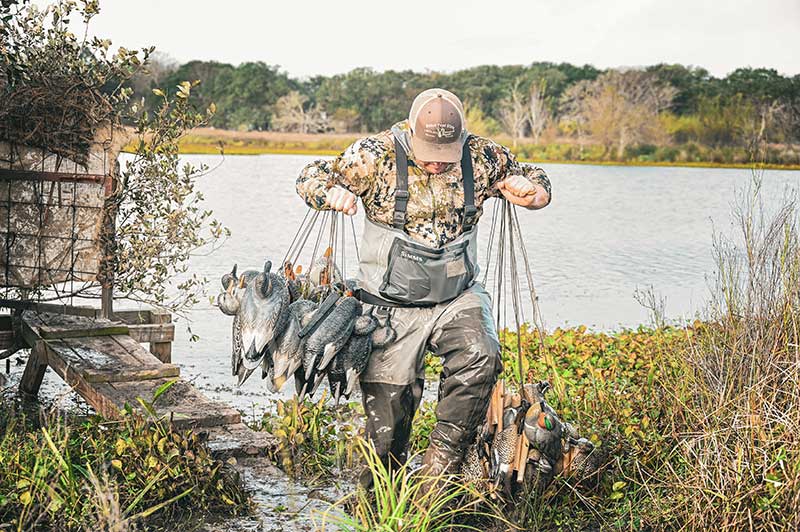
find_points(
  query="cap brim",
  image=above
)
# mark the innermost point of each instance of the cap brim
(436, 153)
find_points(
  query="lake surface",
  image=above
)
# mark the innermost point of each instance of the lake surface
(608, 232)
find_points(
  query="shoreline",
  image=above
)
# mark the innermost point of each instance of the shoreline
(209, 149)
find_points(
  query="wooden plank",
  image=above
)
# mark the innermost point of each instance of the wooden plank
(34, 372)
(133, 317)
(28, 175)
(162, 351)
(55, 326)
(95, 363)
(188, 407)
(152, 332)
(54, 308)
(6, 339)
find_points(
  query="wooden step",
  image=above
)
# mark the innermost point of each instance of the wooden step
(106, 359)
(53, 326)
(182, 402)
(239, 440)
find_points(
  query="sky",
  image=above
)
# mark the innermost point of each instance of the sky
(310, 37)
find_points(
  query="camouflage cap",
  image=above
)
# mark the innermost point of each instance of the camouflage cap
(438, 127)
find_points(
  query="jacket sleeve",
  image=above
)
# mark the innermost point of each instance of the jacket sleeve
(354, 170)
(508, 165)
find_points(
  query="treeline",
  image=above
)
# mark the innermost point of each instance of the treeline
(664, 112)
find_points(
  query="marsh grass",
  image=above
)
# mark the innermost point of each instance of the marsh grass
(402, 500)
(63, 473)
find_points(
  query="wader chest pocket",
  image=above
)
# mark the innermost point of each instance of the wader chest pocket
(422, 276)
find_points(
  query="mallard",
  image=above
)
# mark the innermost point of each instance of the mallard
(262, 317)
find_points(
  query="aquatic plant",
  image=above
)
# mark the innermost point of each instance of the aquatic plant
(75, 474)
(313, 439)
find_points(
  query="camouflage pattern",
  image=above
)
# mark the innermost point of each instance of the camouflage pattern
(436, 203)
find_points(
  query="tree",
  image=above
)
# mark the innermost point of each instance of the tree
(513, 112)
(538, 112)
(620, 108)
(293, 114)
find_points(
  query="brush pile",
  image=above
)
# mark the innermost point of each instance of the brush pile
(58, 90)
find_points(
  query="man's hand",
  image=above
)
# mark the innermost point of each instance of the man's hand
(342, 200)
(520, 191)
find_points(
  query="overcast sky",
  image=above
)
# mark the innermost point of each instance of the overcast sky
(308, 37)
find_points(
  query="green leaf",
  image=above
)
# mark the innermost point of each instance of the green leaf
(163, 388)
(616, 495)
(618, 485)
(158, 92)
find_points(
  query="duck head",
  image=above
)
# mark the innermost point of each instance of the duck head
(230, 298)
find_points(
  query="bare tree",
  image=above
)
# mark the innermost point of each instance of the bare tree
(620, 108)
(513, 112)
(538, 113)
(294, 115)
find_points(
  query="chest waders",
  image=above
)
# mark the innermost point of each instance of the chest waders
(397, 271)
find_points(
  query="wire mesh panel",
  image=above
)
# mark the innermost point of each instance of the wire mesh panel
(51, 216)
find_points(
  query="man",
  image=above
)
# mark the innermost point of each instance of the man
(423, 184)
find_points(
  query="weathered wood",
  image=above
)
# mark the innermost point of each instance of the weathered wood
(187, 407)
(162, 351)
(96, 363)
(133, 317)
(6, 339)
(152, 332)
(54, 308)
(53, 326)
(34, 372)
(239, 441)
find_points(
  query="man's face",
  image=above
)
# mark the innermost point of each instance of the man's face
(434, 167)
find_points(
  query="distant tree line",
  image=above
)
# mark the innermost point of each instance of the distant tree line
(618, 109)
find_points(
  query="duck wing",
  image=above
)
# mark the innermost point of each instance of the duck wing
(330, 335)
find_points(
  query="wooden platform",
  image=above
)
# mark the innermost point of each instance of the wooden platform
(106, 364)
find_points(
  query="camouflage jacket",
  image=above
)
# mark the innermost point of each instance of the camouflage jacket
(436, 201)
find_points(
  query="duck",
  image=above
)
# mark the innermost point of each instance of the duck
(350, 362)
(262, 316)
(327, 339)
(543, 429)
(228, 301)
(287, 358)
(503, 449)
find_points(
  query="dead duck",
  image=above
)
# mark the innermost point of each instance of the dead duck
(233, 288)
(543, 429)
(350, 362)
(262, 316)
(327, 339)
(503, 449)
(287, 357)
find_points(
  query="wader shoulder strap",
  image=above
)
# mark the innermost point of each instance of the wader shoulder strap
(470, 212)
(401, 187)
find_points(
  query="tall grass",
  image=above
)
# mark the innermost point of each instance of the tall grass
(405, 501)
(736, 462)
